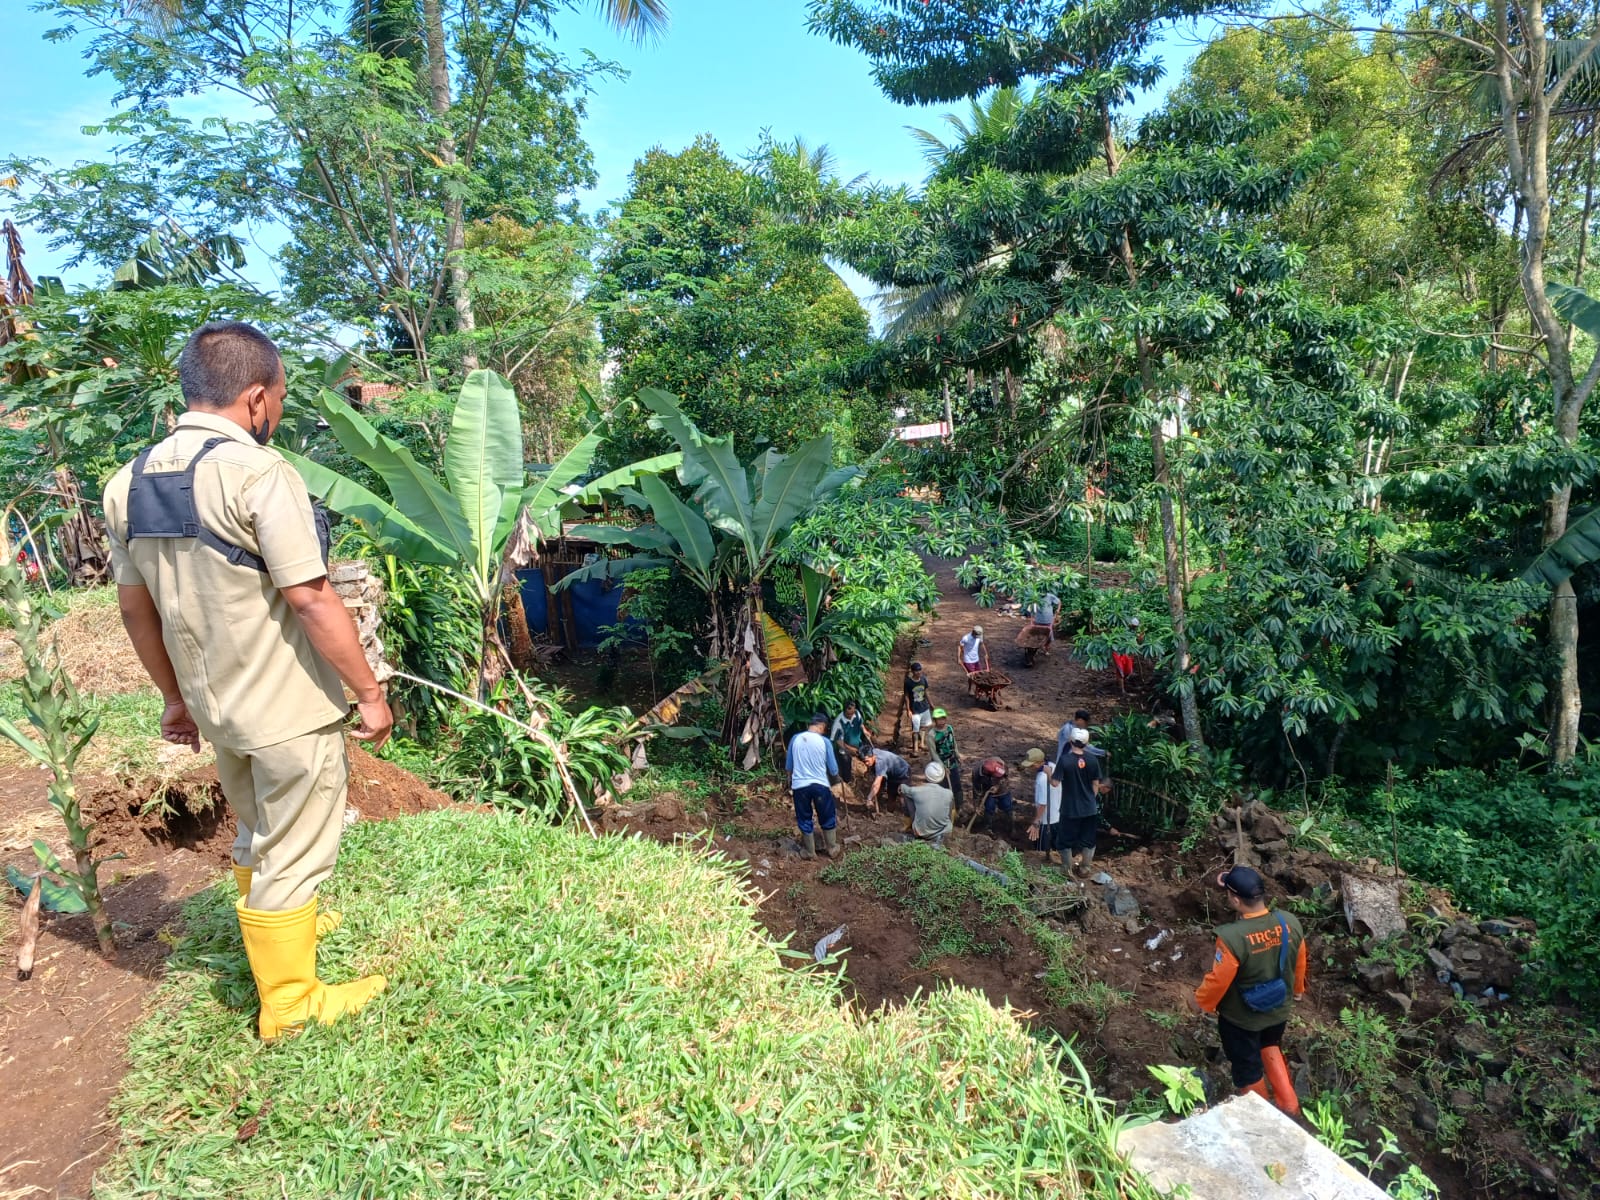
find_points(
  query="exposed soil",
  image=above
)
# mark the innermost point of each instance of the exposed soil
(62, 1032)
(1150, 1021)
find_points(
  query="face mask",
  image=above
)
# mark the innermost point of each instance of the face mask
(263, 435)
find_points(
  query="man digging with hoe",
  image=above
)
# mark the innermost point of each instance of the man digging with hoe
(221, 573)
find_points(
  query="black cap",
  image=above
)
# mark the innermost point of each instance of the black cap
(819, 718)
(1243, 882)
(916, 666)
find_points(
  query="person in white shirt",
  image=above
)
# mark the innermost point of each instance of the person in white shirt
(1046, 805)
(974, 653)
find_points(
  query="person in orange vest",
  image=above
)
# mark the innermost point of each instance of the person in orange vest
(1257, 971)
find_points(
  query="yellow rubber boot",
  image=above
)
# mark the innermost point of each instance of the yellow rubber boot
(327, 922)
(282, 949)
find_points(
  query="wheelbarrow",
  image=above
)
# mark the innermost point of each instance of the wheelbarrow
(1033, 640)
(987, 686)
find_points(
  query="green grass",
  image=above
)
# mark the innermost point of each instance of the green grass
(569, 1017)
(959, 911)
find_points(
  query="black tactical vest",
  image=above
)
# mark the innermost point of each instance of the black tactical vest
(162, 506)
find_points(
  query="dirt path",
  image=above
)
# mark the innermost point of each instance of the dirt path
(63, 1032)
(1040, 699)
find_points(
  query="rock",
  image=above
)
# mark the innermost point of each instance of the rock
(348, 572)
(1121, 902)
(1375, 976)
(1440, 962)
(1461, 1101)
(1425, 1113)
(1495, 928)
(789, 848)
(1477, 1045)
(1372, 906)
(1277, 847)
(1101, 878)
(1497, 1095)
(1401, 1001)
(667, 809)
(1267, 827)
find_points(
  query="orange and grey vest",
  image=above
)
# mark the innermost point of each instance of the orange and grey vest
(1256, 942)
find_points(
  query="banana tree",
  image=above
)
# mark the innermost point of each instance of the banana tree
(468, 519)
(725, 537)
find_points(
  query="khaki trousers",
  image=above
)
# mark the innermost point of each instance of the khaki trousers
(289, 801)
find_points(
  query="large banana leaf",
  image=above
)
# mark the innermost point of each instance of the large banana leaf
(788, 492)
(546, 499)
(1575, 305)
(610, 568)
(709, 464)
(415, 492)
(696, 545)
(814, 585)
(1577, 547)
(390, 528)
(483, 460)
(645, 537)
(615, 481)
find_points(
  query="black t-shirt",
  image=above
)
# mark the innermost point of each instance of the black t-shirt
(917, 693)
(1077, 774)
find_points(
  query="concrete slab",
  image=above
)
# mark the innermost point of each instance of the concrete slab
(1243, 1149)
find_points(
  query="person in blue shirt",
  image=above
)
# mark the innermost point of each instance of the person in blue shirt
(813, 777)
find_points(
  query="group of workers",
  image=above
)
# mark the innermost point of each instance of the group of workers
(220, 561)
(1259, 963)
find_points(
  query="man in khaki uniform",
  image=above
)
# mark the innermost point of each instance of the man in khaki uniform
(222, 582)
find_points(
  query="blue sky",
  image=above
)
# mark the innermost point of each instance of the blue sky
(731, 68)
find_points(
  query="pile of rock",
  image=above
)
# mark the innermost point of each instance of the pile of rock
(1478, 958)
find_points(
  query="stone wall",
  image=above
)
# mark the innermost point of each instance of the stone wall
(363, 595)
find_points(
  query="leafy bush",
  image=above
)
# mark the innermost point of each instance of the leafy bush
(431, 630)
(494, 762)
(1163, 783)
(867, 543)
(1506, 843)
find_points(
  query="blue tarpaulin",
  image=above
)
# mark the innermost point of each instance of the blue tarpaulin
(594, 606)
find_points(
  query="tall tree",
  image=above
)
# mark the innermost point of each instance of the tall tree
(1040, 217)
(1530, 68)
(706, 288)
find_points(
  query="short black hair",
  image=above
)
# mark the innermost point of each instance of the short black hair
(1081, 715)
(222, 359)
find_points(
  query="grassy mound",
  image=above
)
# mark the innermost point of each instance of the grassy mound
(959, 911)
(569, 1017)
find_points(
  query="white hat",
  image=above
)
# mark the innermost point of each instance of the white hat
(1134, 622)
(978, 629)
(933, 772)
(1080, 736)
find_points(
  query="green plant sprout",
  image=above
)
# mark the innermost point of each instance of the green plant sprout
(64, 726)
(1182, 1089)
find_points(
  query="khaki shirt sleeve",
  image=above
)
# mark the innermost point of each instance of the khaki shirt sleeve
(115, 503)
(280, 512)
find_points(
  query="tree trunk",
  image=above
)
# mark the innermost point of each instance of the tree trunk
(1188, 707)
(83, 536)
(455, 224)
(517, 623)
(1528, 107)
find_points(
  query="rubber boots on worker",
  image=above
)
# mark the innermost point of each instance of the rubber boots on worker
(1259, 1087)
(1087, 857)
(830, 839)
(327, 922)
(808, 845)
(1278, 1080)
(282, 949)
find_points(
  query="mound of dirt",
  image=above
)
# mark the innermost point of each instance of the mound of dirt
(61, 1033)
